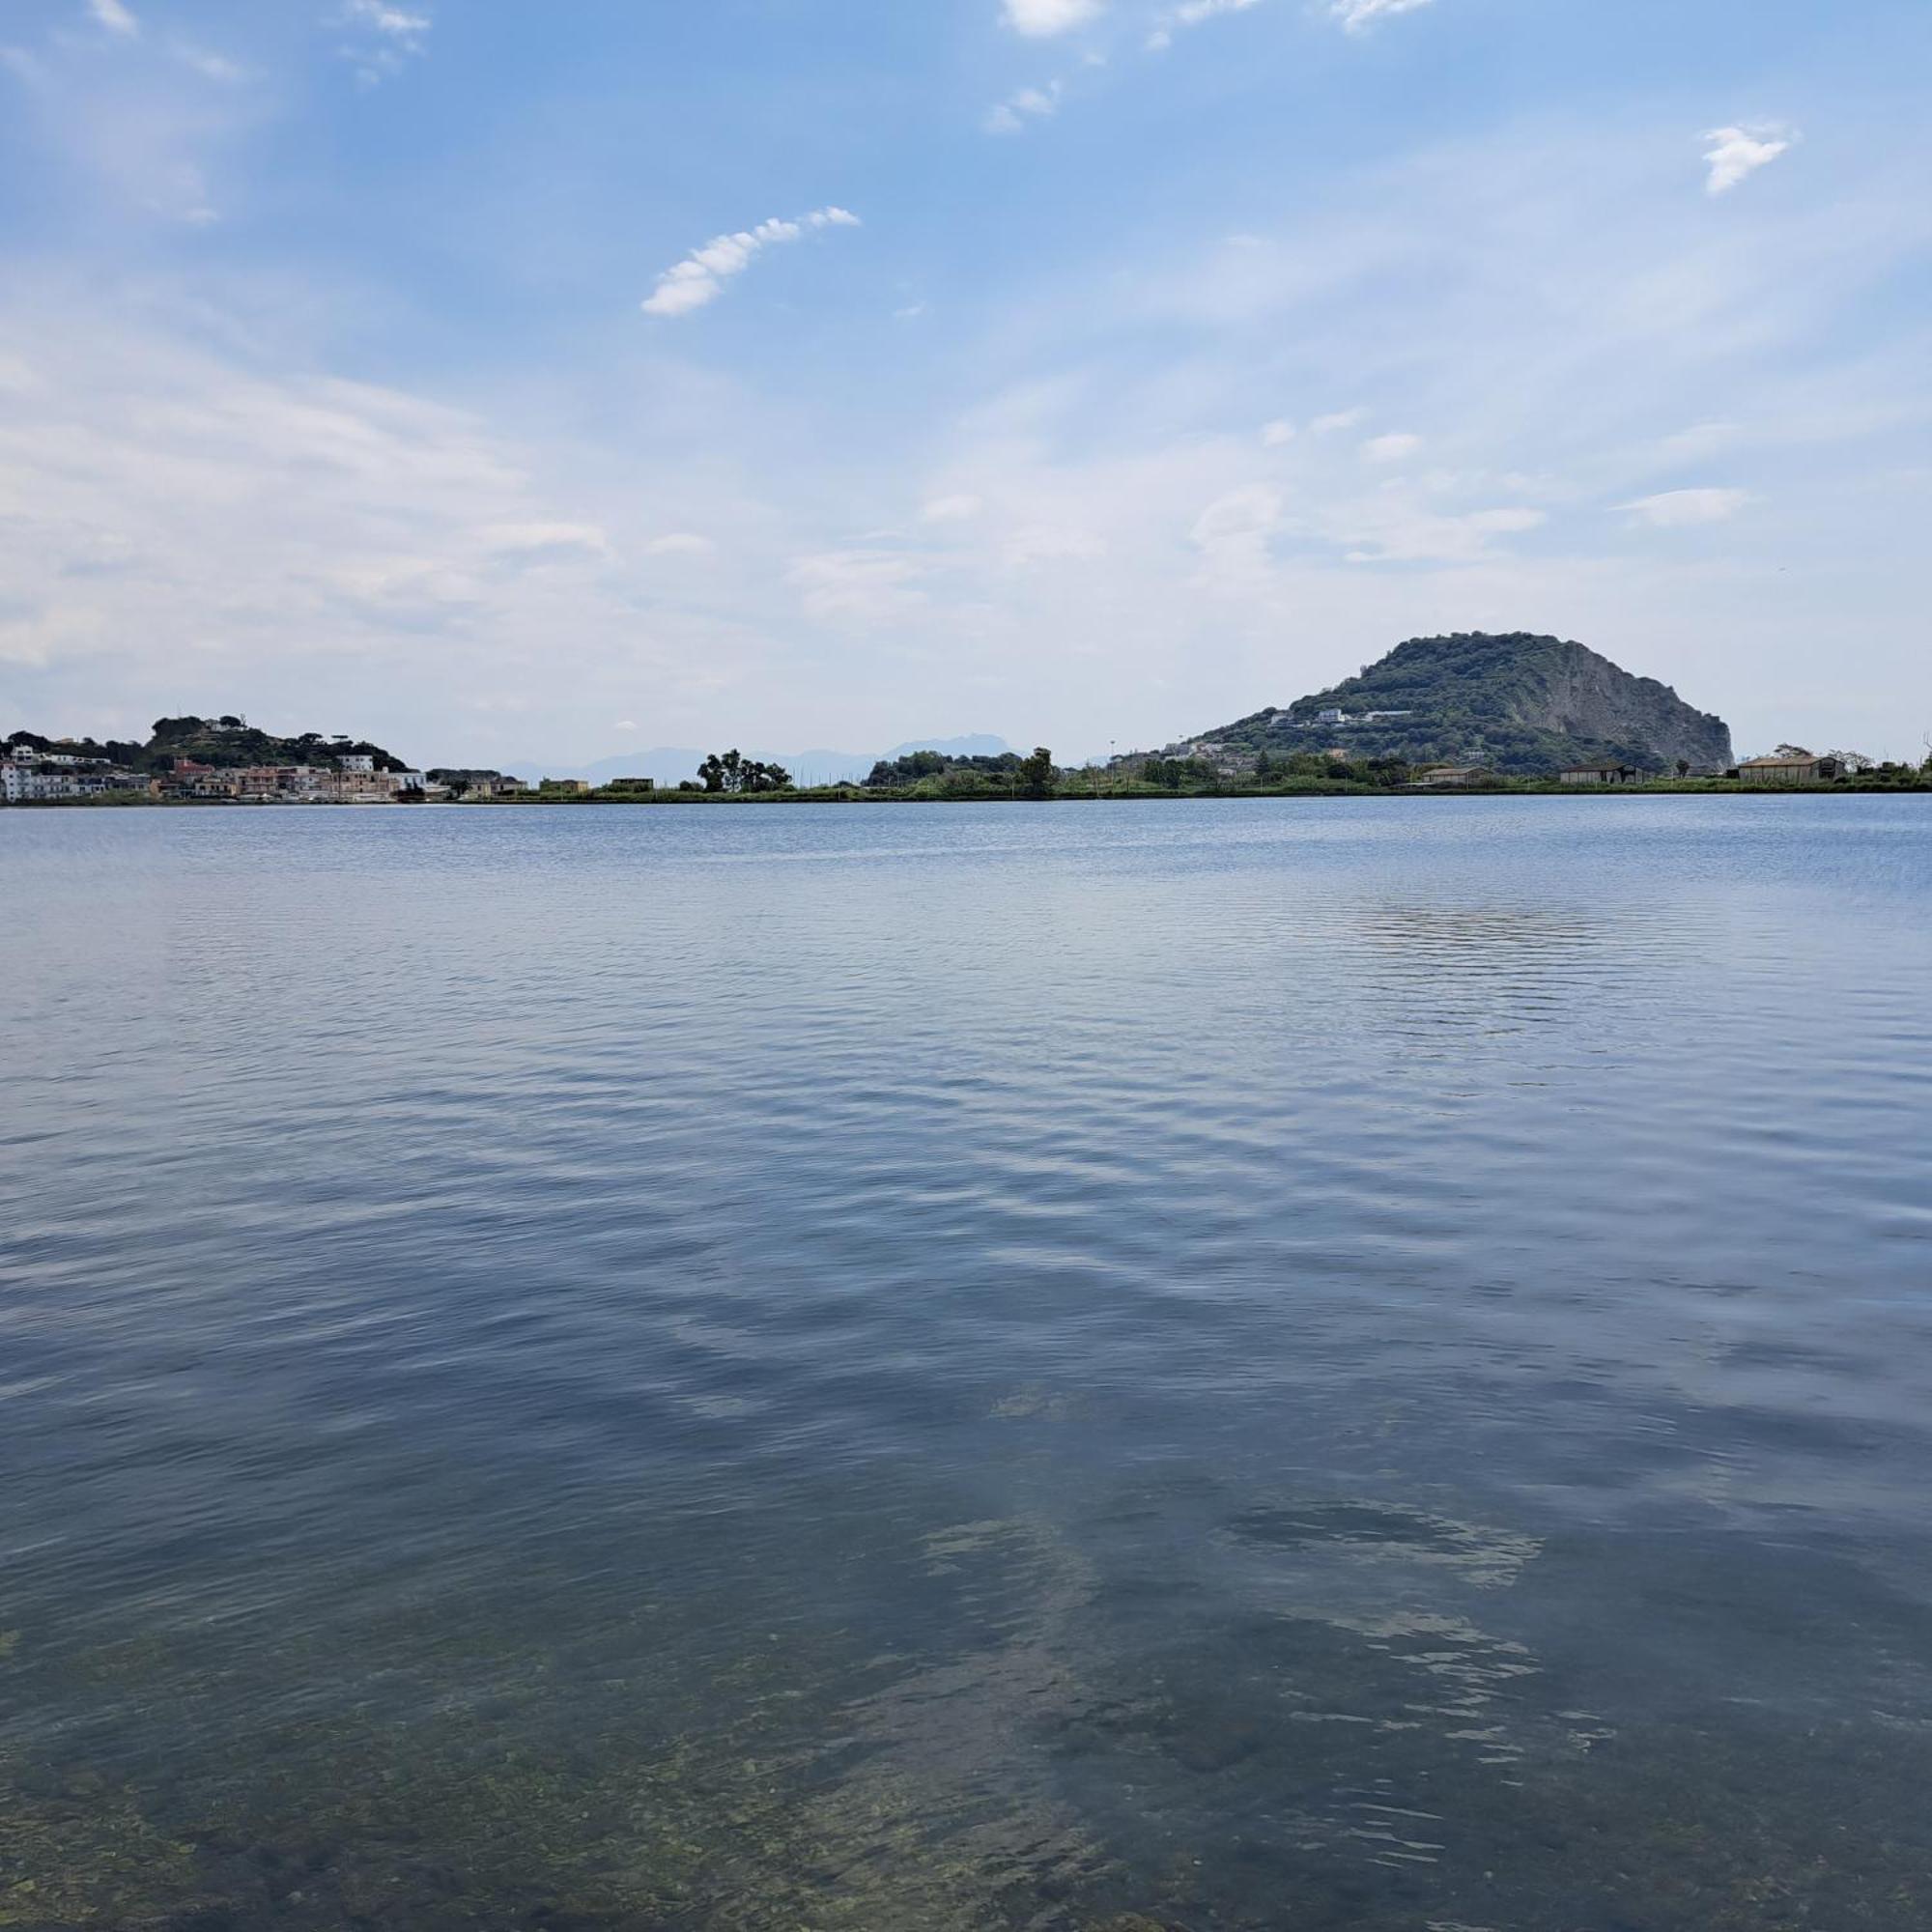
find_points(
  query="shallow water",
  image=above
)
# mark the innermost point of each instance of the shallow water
(1338, 1364)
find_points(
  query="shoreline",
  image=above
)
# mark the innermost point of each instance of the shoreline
(858, 795)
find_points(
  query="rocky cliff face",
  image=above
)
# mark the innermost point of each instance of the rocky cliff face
(1587, 698)
(1520, 703)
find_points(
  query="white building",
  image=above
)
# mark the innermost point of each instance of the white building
(357, 761)
(25, 784)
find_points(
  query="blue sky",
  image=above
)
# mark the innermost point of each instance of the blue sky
(511, 381)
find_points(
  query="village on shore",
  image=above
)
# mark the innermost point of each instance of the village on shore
(70, 772)
(1466, 712)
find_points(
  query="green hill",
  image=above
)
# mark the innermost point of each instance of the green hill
(229, 742)
(1519, 704)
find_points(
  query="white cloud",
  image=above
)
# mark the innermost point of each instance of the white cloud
(209, 65)
(1040, 19)
(700, 278)
(862, 588)
(385, 37)
(952, 509)
(1701, 440)
(1342, 419)
(1395, 526)
(1234, 535)
(1030, 103)
(1051, 543)
(1738, 153)
(1275, 434)
(394, 24)
(680, 543)
(1395, 448)
(1191, 14)
(370, 535)
(533, 542)
(1358, 16)
(114, 16)
(1686, 509)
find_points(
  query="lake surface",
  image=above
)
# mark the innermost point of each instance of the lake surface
(1240, 1365)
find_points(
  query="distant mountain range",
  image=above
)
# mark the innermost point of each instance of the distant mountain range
(1517, 703)
(668, 763)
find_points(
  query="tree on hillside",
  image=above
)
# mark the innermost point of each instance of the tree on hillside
(1035, 773)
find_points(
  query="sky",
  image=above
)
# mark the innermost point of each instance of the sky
(502, 380)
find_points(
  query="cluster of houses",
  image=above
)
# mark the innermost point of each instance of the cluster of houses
(1337, 720)
(353, 779)
(42, 777)
(34, 777)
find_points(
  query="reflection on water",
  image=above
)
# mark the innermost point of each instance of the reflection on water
(1223, 1365)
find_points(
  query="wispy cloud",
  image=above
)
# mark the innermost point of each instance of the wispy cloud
(1341, 419)
(1191, 14)
(860, 587)
(1275, 435)
(26, 67)
(1235, 535)
(1358, 16)
(1395, 527)
(1390, 448)
(1030, 103)
(383, 37)
(1040, 19)
(952, 509)
(114, 16)
(209, 65)
(700, 279)
(1686, 509)
(1738, 153)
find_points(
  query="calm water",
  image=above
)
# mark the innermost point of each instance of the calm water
(1229, 1365)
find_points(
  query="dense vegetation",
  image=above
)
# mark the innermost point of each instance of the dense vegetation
(228, 742)
(902, 774)
(945, 775)
(1519, 704)
(732, 772)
